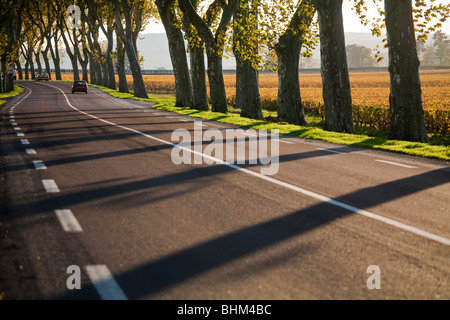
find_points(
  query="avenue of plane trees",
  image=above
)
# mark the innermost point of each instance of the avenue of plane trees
(100, 38)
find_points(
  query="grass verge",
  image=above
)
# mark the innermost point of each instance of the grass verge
(17, 90)
(359, 139)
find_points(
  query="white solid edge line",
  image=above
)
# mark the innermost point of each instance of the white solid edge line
(68, 221)
(104, 283)
(171, 117)
(278, 140)
(330, 150)
(11, 110)
(311, 194)
(397, 164)
(50, 186)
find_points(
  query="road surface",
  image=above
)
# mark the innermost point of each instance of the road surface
(89, 183)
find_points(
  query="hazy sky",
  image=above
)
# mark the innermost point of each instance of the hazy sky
(351, 21)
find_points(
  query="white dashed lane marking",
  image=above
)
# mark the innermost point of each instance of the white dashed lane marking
(104, 283)
(68, 221)
(397, 164)
(39, 165)
(50, 186)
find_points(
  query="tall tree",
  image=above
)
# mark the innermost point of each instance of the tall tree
(126, 9)
(41, 17)
(288, 49)
(407, 119)
(10, 32)
(196, 50)
(101, 15)
(442, 45)
(245, 45)
(29, 41)
(214, 43)
(120, 66)
(177, 51)
(97, 60)
(334, 68)
(45, 56)
(360, 57)
(69, 34)
(54, 52)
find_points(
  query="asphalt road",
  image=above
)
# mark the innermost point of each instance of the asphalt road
(88, 181)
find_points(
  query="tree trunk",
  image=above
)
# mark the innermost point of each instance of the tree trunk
(38, 60)
(102, 75)
(2, 74)
(94, 48)
(177, 52)
(27, 70)
(127, 39)
(198, 69)
(138, 81)
(92, 71)
(198, 77)
(216, 83)
(123, 84)
(336, 82)
(290, 107)
(47, 63)
(99, 73)
(214, 49)
(247, 89)
(19, 70)
(32, 70)
(111, 78)
(54, 52)
(407, 119)
(84, 66)
(93, 75)
(7, 79)
(248, 98)
(73, 59)
(288, 49)
(9, 82)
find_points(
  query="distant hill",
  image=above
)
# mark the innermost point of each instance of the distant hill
(154, 48)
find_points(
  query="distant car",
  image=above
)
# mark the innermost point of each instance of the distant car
(42, 76)
(79, 86)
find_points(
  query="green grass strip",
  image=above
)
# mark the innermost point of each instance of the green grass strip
(167, 103)
(17, 90)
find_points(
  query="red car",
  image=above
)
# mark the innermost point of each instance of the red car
(79, 86)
